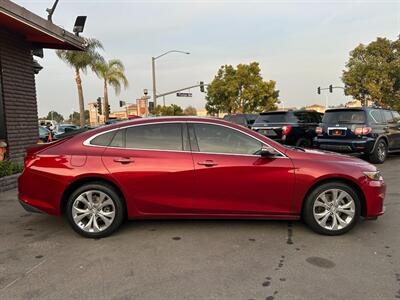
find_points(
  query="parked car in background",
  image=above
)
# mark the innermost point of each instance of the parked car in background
(61, 129)
(374, 132)
(169, 167)
(50, 124)
(293, 127)
(45, 135)
(246, 120)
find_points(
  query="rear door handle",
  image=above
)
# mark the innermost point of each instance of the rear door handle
(207, 163)
(124, 160)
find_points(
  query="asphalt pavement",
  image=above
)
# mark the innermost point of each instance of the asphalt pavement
(42, 258)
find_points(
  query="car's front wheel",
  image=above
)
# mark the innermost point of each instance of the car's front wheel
(95, 210)
(332, 208)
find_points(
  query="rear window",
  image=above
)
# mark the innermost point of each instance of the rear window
(272, 118)
(344, 117)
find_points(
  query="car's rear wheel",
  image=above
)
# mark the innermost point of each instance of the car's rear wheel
(378, 156)
(332, 208)
(95, 210)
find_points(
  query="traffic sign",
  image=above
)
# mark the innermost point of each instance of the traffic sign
(184, 94)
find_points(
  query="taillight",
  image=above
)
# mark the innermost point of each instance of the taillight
(362, 130)
(28, 159)
(318, 130)
(286, 129)
(50, 137)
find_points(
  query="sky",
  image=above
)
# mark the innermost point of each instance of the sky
(299, 44)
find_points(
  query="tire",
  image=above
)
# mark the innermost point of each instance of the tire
(97, 207)
(316, 211)
(378, 156)
(304, 143)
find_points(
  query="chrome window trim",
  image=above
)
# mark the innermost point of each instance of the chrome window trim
(87, 141)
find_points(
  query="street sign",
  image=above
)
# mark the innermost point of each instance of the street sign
(184, 94)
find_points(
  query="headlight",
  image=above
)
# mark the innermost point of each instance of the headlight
(376, 175)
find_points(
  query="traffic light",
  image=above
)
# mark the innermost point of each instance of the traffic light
(107, 109)
(331, 89)
(319, 90)
(202, 86)
(99, 110)
(122, 103)
(151, 106)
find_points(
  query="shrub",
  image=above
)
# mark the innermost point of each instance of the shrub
(8, 167)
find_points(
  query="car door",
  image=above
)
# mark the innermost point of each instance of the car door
(154, 166)
(396, 129)
(392, 130)
(232, 179)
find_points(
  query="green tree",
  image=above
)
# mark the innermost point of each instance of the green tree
(172, 110)
(75, 117)
(241, 90)
(112, 73)
(373, 73)
(190, 111)
(80, 61)
(53, 115)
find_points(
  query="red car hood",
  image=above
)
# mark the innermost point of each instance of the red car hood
(330, 157)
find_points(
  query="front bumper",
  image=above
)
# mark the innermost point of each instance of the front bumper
(364, 145)
(374, 192)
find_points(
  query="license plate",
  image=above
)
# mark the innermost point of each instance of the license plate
(336, 132)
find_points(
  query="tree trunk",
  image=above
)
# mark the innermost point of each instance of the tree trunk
(106, 112)
(80, 95)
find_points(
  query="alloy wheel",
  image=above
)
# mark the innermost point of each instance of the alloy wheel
(334, 209)
(93, 211)
(381, 151)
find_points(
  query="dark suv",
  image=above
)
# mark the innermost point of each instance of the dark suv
(296, 128)
(370, 131)
(245, 120)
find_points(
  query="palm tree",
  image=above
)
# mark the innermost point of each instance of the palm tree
(112, 73)
(80, 61)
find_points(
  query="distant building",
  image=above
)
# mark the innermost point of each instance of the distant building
(316, 107)
(96, 119)
(24, 34)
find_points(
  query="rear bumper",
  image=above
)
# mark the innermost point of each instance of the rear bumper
(364, 145)
(29, 208)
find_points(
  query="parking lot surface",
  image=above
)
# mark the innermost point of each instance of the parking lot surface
(42, 258)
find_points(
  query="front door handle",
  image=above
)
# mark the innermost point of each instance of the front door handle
(124, 160)
(207, 163)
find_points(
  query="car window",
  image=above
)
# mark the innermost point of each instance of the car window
(303, 117)
(155, 136)
(344, 117)
(220, 139)
(119, 139)
(43, 131)
(103, 139)
(279, 117)
(396, 117)
(376, 116)
(388, 116)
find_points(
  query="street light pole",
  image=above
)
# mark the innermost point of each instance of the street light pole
(153, 66)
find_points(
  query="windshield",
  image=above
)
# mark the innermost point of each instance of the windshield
(344, 117)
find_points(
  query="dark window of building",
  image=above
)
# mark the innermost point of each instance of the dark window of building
(155, 136)
(220, 139)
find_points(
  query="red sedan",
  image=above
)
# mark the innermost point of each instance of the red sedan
(194, 168)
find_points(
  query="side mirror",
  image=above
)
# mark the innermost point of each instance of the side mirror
(268, 151)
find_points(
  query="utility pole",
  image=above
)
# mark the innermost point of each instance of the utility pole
(153, 66)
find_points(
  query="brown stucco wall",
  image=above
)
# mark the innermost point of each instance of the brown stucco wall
(19, 94)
